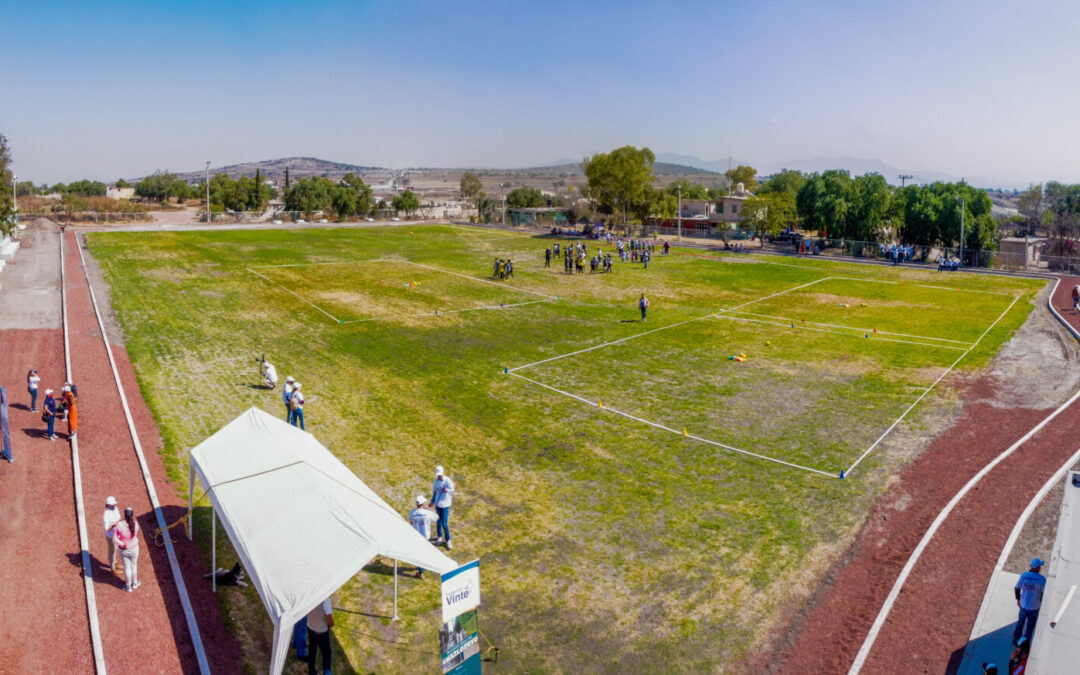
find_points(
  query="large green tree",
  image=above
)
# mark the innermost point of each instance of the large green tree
(6, 198)
(787, 181)
(406, 201)
(309, 195)
(525, 197)
(155, 187)
(620, 180)
(1031, 207)
(471, 187)
(742, 174)
(768, 214)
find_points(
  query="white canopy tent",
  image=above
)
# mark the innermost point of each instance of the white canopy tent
(300, 520)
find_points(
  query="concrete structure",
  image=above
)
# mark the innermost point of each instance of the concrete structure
(1056, 645)
(1012, 254)
(552, 215)
(120, 192)
(705, 216)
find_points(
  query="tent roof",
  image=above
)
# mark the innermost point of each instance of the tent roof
(302, 523)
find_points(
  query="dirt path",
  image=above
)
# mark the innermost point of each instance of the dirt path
(147, 626)
(40, 567)
(929, 625)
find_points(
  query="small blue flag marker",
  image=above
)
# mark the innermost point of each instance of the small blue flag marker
(506, 370)
(792, 324)
(868, 336)
(841, 474)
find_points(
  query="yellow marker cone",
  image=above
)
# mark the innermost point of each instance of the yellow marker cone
(684, 431)
(600, 404)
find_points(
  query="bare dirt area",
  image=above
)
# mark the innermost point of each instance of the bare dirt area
(1032, 375)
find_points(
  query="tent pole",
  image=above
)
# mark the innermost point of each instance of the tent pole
(395, 590)
(213, 547)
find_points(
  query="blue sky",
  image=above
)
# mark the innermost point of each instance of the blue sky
(124, 88)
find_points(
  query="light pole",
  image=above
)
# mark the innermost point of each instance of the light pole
(679, 216)
(15, 197)
(209, 214)
(962, 211)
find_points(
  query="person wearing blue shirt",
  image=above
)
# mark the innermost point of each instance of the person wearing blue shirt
(1029, 594)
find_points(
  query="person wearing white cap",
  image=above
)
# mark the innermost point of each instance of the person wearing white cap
(1029, 594)
(111, 518)
(296, 406)
(422, 518)
(286, 394)
(49, 414)
(442, 491)
(269, 375)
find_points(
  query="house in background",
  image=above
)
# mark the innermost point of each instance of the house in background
(113, 192)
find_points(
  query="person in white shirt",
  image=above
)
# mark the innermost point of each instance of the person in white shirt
(442, 491)
(111, 518)
(319, 622)
(32, 381)
(269, 375)
(296, 406)
(422, 518)
(286, 395)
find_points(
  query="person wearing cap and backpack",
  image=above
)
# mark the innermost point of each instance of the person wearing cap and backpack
(71, 398)
(286, 394)
(296, 406)
(1029, 593)
(442, 491)
(49, 414)
(111, 517)
(1019, 657)
(422, 518)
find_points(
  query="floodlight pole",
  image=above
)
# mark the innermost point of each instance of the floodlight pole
(209, 215)
(15, 197)
(679, 215)
(962, 211)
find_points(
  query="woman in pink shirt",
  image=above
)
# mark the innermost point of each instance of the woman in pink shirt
(126, 536)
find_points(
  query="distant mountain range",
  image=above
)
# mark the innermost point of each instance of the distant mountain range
(274, 169)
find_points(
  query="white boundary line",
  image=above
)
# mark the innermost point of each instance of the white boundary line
(181, 588)
(860, 330)
(894, 593)
(655, 330)
(546, 298)
(80, 511)
(954, 289)
(923, 395)
(674, 431)
(797, 325)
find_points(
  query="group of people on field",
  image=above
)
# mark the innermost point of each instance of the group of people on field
(503, 269)
(292, 395)
(575, 254)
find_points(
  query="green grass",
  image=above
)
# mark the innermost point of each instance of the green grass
(605, 544)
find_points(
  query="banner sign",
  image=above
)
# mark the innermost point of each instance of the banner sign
(460, 590)
(459, 643)
(459, 639)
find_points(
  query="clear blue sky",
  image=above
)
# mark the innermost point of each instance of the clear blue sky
(114, 89)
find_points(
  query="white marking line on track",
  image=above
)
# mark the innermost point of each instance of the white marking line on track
(674, 431)
(894, 593)
(802, 326)
(860, 330)
(181, 588)
(80, 511)
(656, 330)
(923, 395)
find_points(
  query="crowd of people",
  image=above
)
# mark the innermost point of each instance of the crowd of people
(504, 269)
(575, 254)
(898, 253)
(66, 407)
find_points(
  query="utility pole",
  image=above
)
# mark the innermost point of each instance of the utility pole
(15, 197)
(680, 215)
(209, 215)
(904, 178)
(962, 209)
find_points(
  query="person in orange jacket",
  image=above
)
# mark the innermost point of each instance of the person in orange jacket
(70, 404)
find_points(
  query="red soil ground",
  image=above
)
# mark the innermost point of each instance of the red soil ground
(929, 625)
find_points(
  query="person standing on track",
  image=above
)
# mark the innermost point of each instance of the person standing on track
(70, 405)
(111, 517)
(442, 496)
(1076, 297)
(643, 305)
(32, 381)
(126, 536)
(49, 414)
(1029, 593)
(421, 518)
(319, 622)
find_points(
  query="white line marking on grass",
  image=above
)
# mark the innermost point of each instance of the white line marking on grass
(486, 281)
(295, 295)
(801, 326)
(656, 330)
(860, 330)
(921, 396)
(181, 588)
(883, 614)
(940, 288)
(76, 476)
(453, 311)
(676, 432)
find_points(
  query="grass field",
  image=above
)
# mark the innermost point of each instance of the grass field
(606, 543)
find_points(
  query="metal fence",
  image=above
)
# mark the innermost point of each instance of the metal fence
(84, 217)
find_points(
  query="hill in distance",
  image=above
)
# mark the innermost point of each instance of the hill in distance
(274, 169)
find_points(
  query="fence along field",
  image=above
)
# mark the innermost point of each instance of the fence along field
(568, 506)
